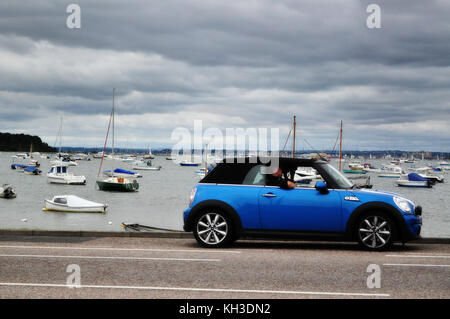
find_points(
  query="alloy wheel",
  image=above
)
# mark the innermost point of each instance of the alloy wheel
(375, 232)
(212, 228)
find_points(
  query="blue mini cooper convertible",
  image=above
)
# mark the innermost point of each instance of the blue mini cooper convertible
(240, 197)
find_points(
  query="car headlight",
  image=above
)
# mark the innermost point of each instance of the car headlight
(402, 204)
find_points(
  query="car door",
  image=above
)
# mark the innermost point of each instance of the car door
(300, 209)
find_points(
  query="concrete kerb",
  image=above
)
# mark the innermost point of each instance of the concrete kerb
(145, 234)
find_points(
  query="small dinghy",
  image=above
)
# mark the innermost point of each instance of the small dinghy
(414, 180)
(32, 170)
(74, 204)
(6, 191)
(118, 172)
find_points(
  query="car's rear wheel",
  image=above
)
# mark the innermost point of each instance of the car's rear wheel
(213, 228)
(376, 231)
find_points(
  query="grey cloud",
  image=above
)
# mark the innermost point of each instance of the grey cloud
(256, 61)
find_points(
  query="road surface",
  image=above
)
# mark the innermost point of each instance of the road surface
(107, 267)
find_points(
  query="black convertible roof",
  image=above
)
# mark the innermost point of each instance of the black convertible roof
(234, 169)
(284, 162)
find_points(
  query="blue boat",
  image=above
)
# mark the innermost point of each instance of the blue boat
(414, 180)
(189, 164)
(32, 170)
(18, 166)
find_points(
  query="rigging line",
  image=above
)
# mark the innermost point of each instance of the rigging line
(337, 138)
(313, 148)
(287, 139)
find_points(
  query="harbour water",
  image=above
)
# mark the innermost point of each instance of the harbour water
(161, 199)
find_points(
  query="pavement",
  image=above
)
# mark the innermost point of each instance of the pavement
(133, 267)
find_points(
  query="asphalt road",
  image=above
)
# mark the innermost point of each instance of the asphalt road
(36, 267)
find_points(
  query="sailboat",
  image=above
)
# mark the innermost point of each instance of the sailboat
(117, 184)
(149, 155)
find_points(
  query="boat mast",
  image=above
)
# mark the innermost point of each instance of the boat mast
(60, 136)
(106, 141)
(113, 124)
(293, 140)
(340, 149)
(206, 159)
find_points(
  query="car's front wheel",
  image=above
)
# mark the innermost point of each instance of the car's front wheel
(213, 228)
(376, 231)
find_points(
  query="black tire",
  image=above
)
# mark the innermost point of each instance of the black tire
(213, 228)
(376, 231)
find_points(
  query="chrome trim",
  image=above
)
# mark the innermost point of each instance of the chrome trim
(269, 195)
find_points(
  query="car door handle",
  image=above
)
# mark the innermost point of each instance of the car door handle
(269, 195)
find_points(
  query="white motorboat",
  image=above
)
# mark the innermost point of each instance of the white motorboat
(145, 166)
(59, 174)
(128, 159)
(391, 171)
(356, 166)
(99, 155)
(80, 157)
(6, 191)
(413, 180)
(72, 203)
(21, 156)
(444, 166)
(305, 176)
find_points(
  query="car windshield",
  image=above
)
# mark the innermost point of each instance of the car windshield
(337, 176)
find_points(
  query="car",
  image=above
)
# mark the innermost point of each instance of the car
(236, 200)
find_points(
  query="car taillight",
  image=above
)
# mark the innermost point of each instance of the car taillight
(191, 199)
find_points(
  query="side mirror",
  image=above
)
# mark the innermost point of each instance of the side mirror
(321, 187)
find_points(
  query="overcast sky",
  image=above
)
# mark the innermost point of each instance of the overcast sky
(230, 64)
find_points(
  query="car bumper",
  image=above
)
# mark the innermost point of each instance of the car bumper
(413, 224)
(185, 217)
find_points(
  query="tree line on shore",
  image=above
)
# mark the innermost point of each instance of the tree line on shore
(22, 143)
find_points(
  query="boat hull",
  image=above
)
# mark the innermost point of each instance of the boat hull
(406, 183)
(389, 175)
(352, 171)
(117, 187)
(147, 168)
(189, 164)
(51, 206)
(67, 180)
